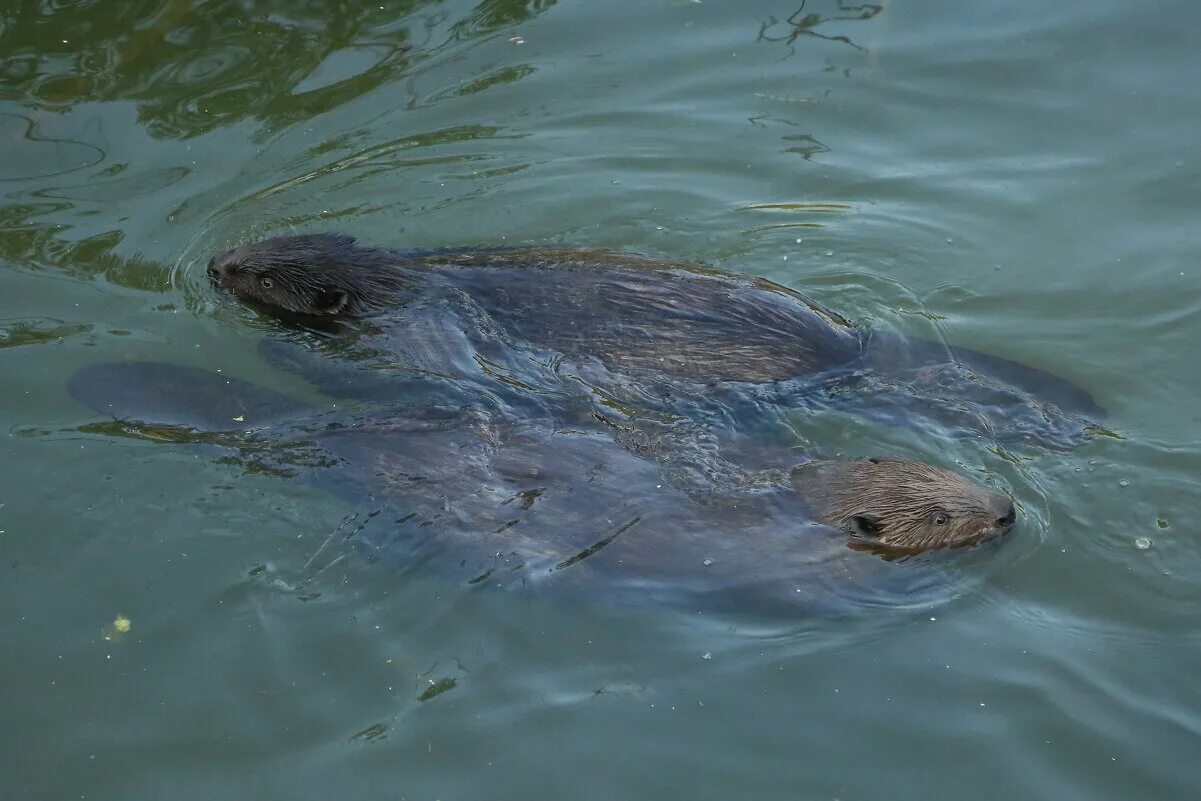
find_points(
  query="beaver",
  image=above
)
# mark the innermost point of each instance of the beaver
(502, 500)
(634, 330)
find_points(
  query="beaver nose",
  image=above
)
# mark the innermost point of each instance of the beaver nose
(1006, 515)
(214, 272)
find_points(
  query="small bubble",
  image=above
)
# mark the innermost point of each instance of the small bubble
(829, 253)
(1142, 543)
(708, 562)
(707, 656)
(799, 240)
(1123, 483)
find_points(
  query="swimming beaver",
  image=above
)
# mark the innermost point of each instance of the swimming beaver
(510, 500)
(649, 324)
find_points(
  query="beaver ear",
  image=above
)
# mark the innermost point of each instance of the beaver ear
(866, 527)
(332, 301)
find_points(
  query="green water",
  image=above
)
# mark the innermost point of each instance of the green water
(1020, 179)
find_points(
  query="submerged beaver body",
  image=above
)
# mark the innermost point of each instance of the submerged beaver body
(629, 312)
(635, 330)
(503, 500)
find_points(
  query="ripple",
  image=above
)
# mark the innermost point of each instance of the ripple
(134, 184)
(29, 155)
(206, 66)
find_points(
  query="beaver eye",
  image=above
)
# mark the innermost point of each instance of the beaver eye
(940, 519)
(266, 283)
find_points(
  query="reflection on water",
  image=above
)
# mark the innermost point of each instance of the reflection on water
(804, 22)
(191, 67)
(20, 333)
(191, 70)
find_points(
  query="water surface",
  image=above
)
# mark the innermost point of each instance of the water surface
(1016, 179)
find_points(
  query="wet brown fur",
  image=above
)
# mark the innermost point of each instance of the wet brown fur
(311, 275)
(630, 312)
(903, 504)
(637, 314)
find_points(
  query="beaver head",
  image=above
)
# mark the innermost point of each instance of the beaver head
(902, 504)
(313, 274)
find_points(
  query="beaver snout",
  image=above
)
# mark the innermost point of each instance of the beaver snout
(225, 267)
(1005, 514)
(221, 270)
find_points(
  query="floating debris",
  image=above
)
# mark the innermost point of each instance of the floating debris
(375, 732)
(118, 628)
(438, 687)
